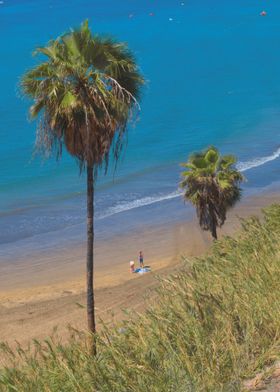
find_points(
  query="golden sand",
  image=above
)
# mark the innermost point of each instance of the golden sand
(37, 295)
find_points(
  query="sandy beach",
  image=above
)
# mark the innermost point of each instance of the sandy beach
(37, 295)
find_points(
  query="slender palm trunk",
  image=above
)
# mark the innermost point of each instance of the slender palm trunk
(213, 222)
(214, 232)
(90, 259)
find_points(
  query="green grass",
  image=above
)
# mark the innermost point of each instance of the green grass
(213, 324)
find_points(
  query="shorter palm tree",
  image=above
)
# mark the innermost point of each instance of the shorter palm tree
(211, 183)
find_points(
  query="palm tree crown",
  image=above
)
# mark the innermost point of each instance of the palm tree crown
(85, 93)
(211, 184)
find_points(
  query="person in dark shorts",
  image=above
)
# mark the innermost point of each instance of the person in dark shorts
(141, 259)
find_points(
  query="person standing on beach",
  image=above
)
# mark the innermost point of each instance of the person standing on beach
(141, 259)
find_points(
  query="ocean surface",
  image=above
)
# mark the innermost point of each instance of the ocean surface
(213, 77)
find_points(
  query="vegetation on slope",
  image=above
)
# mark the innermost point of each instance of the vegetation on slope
(214, 324)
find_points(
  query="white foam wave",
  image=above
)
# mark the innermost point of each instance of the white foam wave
(145, 201)
(244, 166)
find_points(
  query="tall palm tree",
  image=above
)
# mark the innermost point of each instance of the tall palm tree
(211, 184)
(84, 93)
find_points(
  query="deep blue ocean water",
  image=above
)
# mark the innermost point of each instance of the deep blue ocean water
(213, 77)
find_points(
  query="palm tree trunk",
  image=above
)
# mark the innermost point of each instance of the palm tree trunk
(90, 244)
(213, 222)
(214, 232)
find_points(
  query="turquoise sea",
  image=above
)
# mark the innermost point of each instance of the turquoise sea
(213, 77)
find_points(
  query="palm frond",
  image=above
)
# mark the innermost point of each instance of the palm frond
(211, 184)
(85, 93)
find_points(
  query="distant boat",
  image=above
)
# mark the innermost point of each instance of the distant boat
(263, 13)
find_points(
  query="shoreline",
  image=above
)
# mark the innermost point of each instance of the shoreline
(48, 293)
(162, 245)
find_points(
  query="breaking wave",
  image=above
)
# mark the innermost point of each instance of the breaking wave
(145, 201)
(244, 166)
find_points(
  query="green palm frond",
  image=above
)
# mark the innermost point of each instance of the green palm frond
(212, 184)
(85, 92)
(211, 155)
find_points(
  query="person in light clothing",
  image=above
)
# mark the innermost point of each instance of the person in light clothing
(132, 266)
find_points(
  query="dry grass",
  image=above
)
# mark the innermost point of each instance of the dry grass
(213, 325)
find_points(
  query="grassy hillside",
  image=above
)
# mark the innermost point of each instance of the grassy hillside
(213, 325)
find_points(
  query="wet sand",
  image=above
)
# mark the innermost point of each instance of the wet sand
(37, 295)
